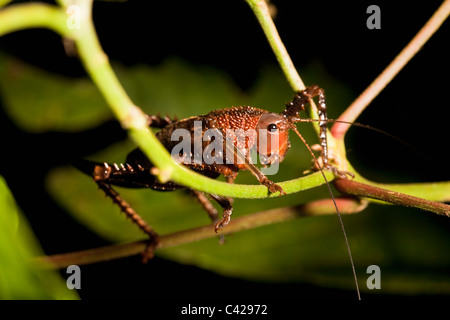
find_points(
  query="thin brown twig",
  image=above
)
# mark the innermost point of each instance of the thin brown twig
(347, 205)
(364, 190)
(357, 107)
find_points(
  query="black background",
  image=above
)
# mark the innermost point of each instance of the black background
(226, 35)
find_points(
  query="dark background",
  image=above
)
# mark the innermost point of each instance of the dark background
(226, 35)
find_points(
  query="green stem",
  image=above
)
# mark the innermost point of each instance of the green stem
(261, 11)
(4, 2)
(33, 15)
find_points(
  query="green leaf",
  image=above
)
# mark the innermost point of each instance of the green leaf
(20, 278)
(39, 101)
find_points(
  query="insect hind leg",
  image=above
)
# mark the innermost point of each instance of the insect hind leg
(100, 173)
(207, 205)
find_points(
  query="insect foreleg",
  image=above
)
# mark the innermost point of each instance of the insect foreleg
(157, 121)
(244, 159)
(212, 212)
(225, 203)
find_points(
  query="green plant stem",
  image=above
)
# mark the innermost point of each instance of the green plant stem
(319, 207)
(33, 15)
(261, 11)
(4, 2)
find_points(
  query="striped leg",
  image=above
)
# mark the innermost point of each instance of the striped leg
(300, 100)
(130, 213)
(323, 120)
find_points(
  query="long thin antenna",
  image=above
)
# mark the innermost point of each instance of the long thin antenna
(337, 210)
(390, 135)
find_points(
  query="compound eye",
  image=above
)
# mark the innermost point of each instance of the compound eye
(272, 127)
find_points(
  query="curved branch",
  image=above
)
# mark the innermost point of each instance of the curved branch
(358, 106)
(364, 190)
(346, 205)
(33, 15)
(262, 13)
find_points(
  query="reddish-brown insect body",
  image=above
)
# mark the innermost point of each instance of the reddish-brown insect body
(242, 129)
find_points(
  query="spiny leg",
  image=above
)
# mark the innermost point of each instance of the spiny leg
(129, 212)
(300, 100)
(323, 120)
(322, 110)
